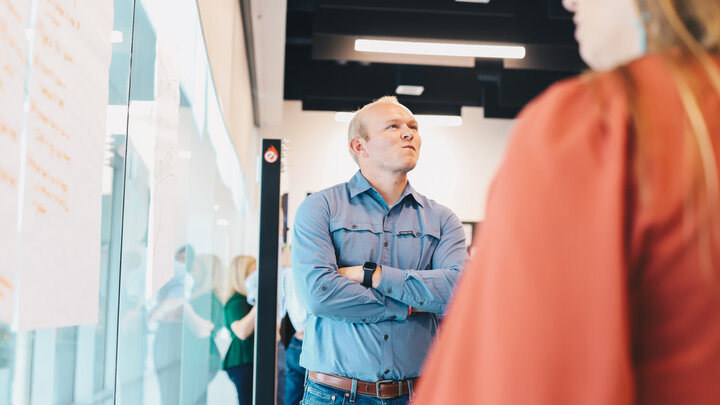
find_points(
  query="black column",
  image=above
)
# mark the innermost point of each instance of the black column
(265, 343)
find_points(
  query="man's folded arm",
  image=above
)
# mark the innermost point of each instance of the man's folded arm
(430, 290)
(322, 290)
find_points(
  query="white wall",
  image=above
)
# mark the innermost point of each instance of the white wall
(456, 164)
(225, 40)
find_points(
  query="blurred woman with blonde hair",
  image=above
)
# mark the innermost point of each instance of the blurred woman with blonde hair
(240, 320)
(595, 278)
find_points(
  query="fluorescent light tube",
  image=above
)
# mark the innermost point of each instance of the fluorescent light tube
(409, 90)
(440, 49)
(423, 120)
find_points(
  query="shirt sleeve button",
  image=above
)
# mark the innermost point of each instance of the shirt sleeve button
(421, 303)
(354, 227)
(386, 371)
(389, 290)
(386, 337)
(323, 288)
(393, 317)
(363, 319)
(385, 244)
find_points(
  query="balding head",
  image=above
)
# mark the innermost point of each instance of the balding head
(357, 127)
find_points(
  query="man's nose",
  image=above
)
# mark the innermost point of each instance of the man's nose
(569, 5)
(407, 133)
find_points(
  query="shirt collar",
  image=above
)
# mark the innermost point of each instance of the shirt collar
(358, 184)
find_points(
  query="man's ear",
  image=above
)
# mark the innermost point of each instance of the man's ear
(357, 146)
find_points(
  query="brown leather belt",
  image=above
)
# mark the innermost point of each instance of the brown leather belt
(384, 389)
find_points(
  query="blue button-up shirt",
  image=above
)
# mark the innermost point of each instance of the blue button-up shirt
(360, 332)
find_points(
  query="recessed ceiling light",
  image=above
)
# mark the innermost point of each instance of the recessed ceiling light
(440, 49)
(409, 90)
(473, 1)
(423, 120)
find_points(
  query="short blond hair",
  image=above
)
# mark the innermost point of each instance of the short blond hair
(357, 128)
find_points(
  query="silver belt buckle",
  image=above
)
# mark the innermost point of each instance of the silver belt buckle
(380, 383)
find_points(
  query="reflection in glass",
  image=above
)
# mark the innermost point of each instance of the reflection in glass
(183, 186)
(173, 211)
(240, 320)
(77, 364)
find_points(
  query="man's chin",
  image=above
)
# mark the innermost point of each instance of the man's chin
(408, 167)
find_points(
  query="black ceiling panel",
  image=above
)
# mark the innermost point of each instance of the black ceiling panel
(337, 82)
(499, 8)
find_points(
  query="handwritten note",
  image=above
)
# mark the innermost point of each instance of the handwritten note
(60, 224)
(161, 241)
(13, 23)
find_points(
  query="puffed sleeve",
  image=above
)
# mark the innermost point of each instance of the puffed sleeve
(541, 315)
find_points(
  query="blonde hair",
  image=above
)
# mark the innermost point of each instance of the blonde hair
(687, 34)
(239, 269)
(357, 128)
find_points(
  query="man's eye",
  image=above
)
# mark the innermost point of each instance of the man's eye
(392, 126)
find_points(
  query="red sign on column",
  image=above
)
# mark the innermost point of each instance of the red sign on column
(271, 155)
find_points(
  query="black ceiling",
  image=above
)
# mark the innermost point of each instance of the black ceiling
(328, 79)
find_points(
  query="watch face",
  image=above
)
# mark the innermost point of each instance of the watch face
(369, 266)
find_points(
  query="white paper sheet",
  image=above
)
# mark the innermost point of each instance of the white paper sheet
(13, 66)
(161, 241)
(62, 181)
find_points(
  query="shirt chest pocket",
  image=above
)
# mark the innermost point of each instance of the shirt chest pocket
(415, 247)
(355, 242)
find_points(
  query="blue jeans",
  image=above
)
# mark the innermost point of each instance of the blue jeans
(242, 377)
(294, 373)
(318, 394)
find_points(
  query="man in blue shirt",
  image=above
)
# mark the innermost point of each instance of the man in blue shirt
(375, 263)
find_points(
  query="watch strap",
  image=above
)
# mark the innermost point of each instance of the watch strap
(367, 277)
(368, 270)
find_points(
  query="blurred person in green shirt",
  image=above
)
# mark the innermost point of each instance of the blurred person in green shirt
(240, 320)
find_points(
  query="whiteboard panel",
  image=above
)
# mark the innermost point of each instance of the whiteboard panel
(62, 173)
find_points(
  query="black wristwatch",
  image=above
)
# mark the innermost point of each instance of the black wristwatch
(369, 269)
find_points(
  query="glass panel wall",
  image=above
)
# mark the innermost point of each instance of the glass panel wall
(174, 213)
(76, 365)
(185, 207)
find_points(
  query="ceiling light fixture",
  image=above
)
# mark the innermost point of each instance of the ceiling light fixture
(409, 90)
(440, 49)
(423, 120)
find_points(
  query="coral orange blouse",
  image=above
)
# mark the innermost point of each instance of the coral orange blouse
(581, 289)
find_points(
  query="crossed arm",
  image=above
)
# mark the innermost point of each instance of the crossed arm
(337, 293)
